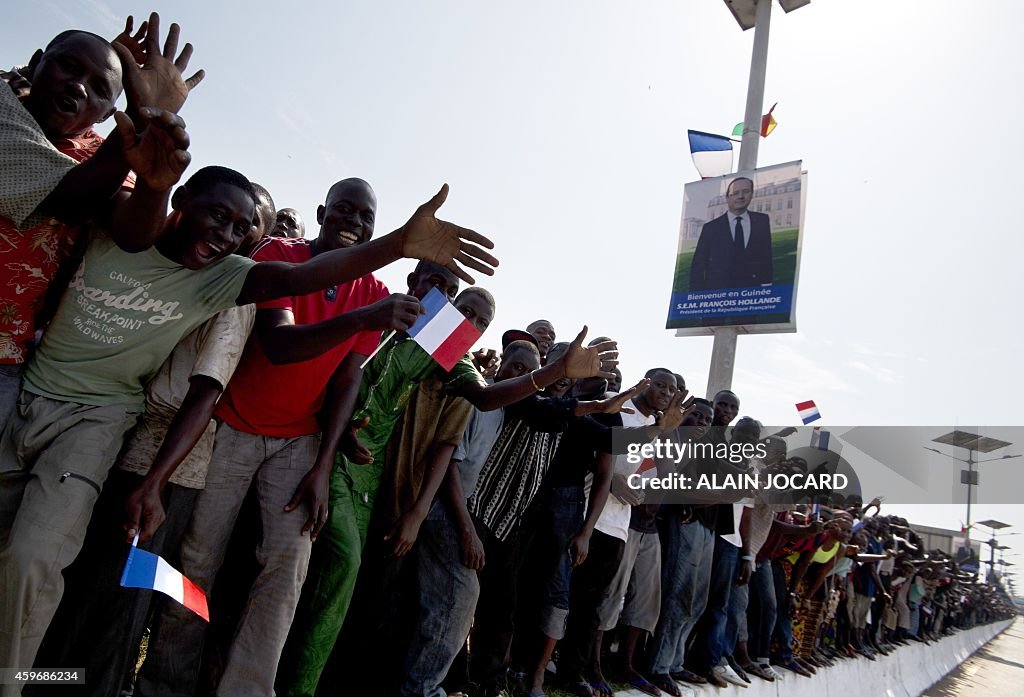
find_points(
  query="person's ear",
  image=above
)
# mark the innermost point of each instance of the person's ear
(410, 280)
(179, 198)
(33, 63)
(320, 210)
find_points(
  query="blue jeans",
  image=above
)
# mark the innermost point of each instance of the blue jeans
(560, 521)
(687, 550)
(447, 592)
(783, 634)
(762, 613)
(710, 645)
(736, 626)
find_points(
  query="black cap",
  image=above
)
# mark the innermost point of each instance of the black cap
(517, 335)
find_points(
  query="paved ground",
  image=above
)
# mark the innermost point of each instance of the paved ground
(996, 670)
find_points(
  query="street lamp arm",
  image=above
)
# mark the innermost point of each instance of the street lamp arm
(993, 459)
(951, 457)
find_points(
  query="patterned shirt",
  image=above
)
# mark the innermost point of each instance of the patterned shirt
(32, 247)
(513, 472)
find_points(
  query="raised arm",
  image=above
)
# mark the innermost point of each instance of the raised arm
(424, 236)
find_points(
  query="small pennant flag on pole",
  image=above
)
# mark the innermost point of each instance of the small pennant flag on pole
(808, 412)
(147, 570)
(768, 124)
(712, 155)
(443, 331)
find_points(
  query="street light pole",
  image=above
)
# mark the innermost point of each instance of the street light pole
(723, 351)
(970, 480)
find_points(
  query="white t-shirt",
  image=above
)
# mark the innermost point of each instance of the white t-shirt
(614, 519)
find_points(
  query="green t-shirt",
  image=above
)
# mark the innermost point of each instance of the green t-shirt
(388, 382)
(120, 318)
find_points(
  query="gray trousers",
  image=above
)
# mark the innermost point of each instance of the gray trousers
(634, 597)
(54, 458)
(175, 649)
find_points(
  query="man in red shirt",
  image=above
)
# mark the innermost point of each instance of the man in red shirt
(281, 418)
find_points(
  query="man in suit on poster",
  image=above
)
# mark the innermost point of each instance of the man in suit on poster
(735, 249)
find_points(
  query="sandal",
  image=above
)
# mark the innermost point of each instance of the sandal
(645, 686)
(666, 684)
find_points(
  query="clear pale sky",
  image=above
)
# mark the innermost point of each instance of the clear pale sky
(561, 128)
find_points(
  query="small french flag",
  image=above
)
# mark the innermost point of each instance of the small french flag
(808, 412)
(443, 331)
(147, 570)
(819, 438)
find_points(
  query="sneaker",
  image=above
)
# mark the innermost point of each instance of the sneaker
(726, 673)
(737, 669)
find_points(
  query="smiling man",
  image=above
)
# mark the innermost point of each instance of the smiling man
(282, 415)
(59, 172)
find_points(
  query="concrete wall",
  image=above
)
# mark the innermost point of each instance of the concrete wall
(907, 672)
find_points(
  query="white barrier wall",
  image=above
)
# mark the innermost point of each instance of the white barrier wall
(906, 672)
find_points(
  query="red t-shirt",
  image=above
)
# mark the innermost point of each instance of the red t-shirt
(283, 401)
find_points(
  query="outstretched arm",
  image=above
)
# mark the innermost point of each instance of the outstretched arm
(423, 237)
(286, 342)
(576, 362)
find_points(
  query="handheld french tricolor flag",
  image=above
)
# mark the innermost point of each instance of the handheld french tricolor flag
(820, 438)
(147, 570)
(443, 331)
(712, 154)
(808, 412)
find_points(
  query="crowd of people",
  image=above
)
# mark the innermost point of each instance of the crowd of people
(212, 386)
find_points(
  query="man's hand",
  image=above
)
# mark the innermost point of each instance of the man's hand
(624, 492)
(678, 408)
(472, 549)
(593, 361)
(426, 237)
(746, 571)
(133, 43)
(352, 448)
(159, 154)
(313, 490)
(614, 405)
(579, 548)
(403, 533)
(486, 361)
(397, 311)
(144, 506)
(158, 83)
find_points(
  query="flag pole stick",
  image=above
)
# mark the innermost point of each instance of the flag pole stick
(379, 347)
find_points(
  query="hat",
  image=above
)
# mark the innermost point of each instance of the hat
(517, 335)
